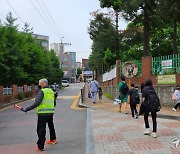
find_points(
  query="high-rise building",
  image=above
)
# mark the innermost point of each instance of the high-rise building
(57, 47)
(68, 64)
(78, 65)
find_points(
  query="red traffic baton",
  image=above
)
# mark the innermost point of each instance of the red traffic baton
(18, 107)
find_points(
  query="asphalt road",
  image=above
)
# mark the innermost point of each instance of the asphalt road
(18, 129)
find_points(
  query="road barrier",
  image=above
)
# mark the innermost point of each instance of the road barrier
(82, 94)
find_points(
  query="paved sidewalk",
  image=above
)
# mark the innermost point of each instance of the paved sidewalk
(116, 132)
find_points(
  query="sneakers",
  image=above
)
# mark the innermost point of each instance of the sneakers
(147, 132)
(51, 142)
(37, 149)
(153, 134)
(174, 109)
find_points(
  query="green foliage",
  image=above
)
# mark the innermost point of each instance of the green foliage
(103, 34)
(109, 57)
(79, 71)
(22, 59)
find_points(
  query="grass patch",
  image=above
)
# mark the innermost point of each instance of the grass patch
(108, 95)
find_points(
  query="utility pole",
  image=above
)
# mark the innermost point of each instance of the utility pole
(62, 45)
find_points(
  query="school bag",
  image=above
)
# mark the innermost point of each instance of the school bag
(124, 89)
(154, 102)
(135, 99)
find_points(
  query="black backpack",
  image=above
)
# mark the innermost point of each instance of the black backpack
(124, 89)
(154, 103)
(135, 99)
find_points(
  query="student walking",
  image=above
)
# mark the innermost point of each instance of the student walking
(100, 93)
(94, 86)
(147, 94)
(133, 100)
(123, 90)
(44, 103)
(176, 98)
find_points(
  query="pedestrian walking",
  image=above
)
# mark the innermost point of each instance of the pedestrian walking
(148, 92)
(123, 90)
(133, 100)
(100, 93)
(44, 103)
(94, 86)
(55, 88)
(176, 98)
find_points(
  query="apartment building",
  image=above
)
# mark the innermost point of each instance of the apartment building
(43, 40)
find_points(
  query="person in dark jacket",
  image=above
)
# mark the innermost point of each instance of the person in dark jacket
(44, 103)
(148, 90)
(131, 102)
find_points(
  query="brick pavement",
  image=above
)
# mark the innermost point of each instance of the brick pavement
(116, 132)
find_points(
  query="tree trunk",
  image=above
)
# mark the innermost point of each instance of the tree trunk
(117, 36)
(146, 31)
(174, 36)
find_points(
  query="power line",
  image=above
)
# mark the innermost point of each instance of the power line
(15, 11)
(51, 18)
(42, 17)
(46, 17)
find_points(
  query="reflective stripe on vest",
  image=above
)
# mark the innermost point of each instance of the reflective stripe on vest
(47, 104)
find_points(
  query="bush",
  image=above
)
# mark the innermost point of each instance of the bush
(21, 96)
(7, 99)
(28, 94)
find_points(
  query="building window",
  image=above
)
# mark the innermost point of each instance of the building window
(65, 58)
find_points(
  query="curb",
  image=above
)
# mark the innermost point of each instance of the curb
(90, 145)
(82, 105)
(165, 116)
(15, 102)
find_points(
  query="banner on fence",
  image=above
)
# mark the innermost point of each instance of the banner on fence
(166, 64)
(167, 79)
(109, 75)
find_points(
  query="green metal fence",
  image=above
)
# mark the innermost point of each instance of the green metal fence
(137, 62)
(157, 67)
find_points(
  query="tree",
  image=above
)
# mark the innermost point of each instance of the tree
(116, 5)
(109, 57)
(103, 35)
(170, 13)
(79, 71)
(22, 59)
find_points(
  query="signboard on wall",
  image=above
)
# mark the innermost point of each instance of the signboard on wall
(167, 79)
(129, 69)
(88, 72)
(166, 64)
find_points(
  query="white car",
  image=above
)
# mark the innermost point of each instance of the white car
(65, 83)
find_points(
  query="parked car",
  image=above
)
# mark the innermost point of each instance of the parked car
(65, 83)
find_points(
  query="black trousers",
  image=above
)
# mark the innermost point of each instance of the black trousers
(133, 109)
(177, 105)
(41, 129)
(154, 116)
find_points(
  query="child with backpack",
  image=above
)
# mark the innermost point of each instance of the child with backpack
(133, 100)
(123, 90)
(176, 98)
(151, 104)
(100, 93)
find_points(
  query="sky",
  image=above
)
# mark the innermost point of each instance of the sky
(65, 20)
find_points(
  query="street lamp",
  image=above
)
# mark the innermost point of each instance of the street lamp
(61, 39)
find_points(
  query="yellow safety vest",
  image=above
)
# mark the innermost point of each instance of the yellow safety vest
(47, 104)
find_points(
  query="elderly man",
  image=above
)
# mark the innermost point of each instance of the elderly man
(94, 86)
(44, 103)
